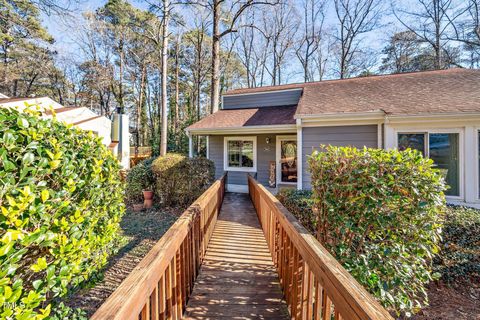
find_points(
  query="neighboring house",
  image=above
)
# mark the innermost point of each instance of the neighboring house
(271, 131)
(80, 117)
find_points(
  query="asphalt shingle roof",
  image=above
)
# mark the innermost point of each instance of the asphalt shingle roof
(416, 93)
(236, 118)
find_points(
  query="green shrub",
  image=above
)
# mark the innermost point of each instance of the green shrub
(180, 180)
(300, 204)
(460, 246)
(139, 178)
(379, 213)
(61, 200)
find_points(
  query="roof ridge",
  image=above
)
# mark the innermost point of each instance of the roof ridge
(376, 76)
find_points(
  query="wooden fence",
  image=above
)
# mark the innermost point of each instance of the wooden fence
(159, 287)
(315, 285)
(140, 151)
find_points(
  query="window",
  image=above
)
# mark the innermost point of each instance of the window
(442, 148)
(240, 154)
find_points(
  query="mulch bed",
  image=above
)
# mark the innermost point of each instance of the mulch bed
(142, 230)
(459, 300)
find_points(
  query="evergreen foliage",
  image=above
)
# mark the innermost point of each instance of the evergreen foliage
(61, 201)
(379, 212)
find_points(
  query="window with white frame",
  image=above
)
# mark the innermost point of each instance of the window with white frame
(442, 148)
(240, 154)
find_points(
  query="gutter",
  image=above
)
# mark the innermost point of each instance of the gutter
(249, 129)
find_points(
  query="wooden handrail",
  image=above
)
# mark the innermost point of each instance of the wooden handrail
(314, 283)
(159, 287)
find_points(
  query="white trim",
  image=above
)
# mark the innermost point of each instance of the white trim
(245, 130)
(476, 163)
(369, 115)
(225, 153)
(226, 94)
(299, 154)
(208, 147)
(461, 157)
(379, 136)
(340, 123)
(278, 154)
(190, 145)
(475, 205)
(471, 161)
(238, 188)
(413, 118)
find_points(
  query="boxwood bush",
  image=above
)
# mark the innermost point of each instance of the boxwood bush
(61, 200)
(379, 213)
(180, 180)
(460, 247)
(139, 178)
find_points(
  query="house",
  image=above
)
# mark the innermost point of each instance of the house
(82, 118)
(270, 131)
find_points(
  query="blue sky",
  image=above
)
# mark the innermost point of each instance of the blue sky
(64, 30)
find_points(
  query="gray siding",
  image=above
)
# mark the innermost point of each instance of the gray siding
(265, 154)
(356, 136)
(267, 99)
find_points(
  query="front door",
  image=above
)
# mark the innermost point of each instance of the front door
(286, 160)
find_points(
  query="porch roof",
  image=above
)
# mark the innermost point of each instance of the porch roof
(246, 118)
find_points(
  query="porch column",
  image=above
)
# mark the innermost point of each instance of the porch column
(190, 145)
(299, 155)
(208, 147)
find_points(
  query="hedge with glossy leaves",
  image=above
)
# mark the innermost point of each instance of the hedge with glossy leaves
(460, 258)
(61, 201)
(379, 212)
(180, 180)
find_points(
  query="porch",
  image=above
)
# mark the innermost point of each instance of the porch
(239, 257)
(272, 158)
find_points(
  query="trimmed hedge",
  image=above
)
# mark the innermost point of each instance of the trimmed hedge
(61, 201)
(180, 180)
(300, 204)
(379, 212)
(460, 248)
(139, 178)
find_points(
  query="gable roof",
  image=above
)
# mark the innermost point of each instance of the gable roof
(439, 91)
(433, 92)
(452, 91)
(239, 118)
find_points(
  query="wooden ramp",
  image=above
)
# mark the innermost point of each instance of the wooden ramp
(237, 279)
(219, 266)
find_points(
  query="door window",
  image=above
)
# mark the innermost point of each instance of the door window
(442, 148)
(288, 160)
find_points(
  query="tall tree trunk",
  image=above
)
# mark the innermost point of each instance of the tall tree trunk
(120, 89)
(139, 110)
(164, 133)
(177, 94)
(215, 94)
(437, 47)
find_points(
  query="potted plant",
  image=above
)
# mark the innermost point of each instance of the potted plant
(147, 197)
